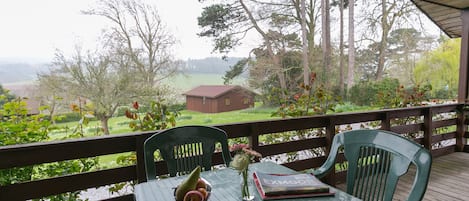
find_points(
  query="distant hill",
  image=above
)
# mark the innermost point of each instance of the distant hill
(20, 72)
(213, 65)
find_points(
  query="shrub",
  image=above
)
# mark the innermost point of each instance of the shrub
(349, 107)
(366, 93)
(177, 107)
(69, 117)
(121, 111)
(184, 118)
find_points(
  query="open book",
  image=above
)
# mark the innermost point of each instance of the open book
(279, 186)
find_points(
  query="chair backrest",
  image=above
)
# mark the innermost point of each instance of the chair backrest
(184, 148)
(376, 160)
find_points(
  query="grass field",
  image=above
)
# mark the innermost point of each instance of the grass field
(183, 83)
(119, 125)
(180, 83)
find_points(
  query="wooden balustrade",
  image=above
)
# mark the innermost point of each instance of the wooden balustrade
(451, 125)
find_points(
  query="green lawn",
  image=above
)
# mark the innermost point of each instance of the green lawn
(119, 125)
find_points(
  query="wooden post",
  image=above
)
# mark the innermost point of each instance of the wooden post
(386, 122)
(253, 138)
(330, 132)
(428, 128)
(461, 129)
(141, 174)
(463, 90)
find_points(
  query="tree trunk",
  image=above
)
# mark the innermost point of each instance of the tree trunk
(312, 51)
(383, 43)
(341, 48)
(276, 60)
(326, 40)
(351, 44)
(105, 125)
(306, 70)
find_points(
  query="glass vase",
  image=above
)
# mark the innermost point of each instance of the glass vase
(246, 195)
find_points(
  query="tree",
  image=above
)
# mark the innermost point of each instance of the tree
(342, 5)
(94, 77)
(5, 96)
(440, 68)
(351, 44)
(382, 18)
(227, 24)
(128, 66)
(50, 93)
(141, 40)
(405, 46)
(304, 39)
(326, 39)
(367, 62)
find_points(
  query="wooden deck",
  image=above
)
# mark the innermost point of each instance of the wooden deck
(448, 179)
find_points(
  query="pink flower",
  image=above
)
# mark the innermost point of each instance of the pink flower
(238, 147)
(297, 96)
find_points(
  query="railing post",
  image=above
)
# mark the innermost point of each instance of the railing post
(386, 122)
(330, 132)
(461, 129)
(141, 175)
(253, 138)
(427, 128)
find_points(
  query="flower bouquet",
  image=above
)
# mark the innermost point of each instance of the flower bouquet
(243, 157)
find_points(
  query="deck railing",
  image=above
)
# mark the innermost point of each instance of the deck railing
(439, 128)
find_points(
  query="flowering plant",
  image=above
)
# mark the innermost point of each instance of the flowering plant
(243, 156)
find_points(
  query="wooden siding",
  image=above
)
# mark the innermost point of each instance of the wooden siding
(194, 103)
(218, 104)
(434, 126)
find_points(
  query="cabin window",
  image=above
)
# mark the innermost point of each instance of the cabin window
(227, 101)
(203, 100)
(245, 100)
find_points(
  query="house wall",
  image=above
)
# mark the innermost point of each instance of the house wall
(195, 103)
(233, 100)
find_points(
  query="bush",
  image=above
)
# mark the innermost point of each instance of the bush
(121, 111)
(444, 94)
(366, 93)
(349, 107)
(69, 117)
(184, 118)
(177, 107)
(16, 127)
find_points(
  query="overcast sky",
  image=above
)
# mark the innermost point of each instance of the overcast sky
(34, 29)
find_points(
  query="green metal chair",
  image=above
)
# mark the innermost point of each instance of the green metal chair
(184, 148)
(376, 160)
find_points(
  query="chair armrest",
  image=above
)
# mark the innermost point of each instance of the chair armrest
(328, 165)
(324, 169)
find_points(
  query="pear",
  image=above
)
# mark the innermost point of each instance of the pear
(188, 184)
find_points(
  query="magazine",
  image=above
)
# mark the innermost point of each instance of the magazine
(278, 186)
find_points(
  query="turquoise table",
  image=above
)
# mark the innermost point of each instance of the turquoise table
(226, 185)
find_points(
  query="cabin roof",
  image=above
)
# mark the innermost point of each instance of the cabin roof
(212, 91)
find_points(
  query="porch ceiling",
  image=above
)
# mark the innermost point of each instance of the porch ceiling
(446, 14)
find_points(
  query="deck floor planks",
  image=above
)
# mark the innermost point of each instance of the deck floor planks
(449, 179)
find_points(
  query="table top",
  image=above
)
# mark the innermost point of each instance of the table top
(226, 185)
